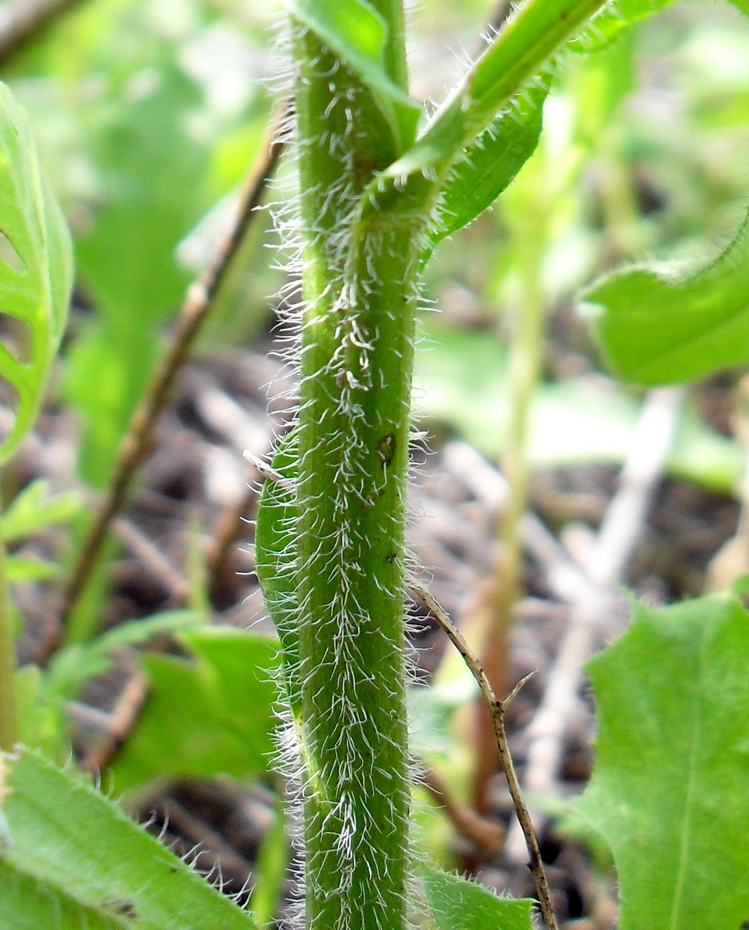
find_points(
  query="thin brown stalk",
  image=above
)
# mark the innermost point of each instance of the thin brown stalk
(118, 725)
(487, 835)
(21, 22)
(498, 709)
(198, 303)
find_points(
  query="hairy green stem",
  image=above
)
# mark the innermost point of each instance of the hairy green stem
(357, 348)
(364, 213)
(8, 709)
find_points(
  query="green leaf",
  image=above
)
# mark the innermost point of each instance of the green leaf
(459, 904)
(276, 559)
(153, 170)
(670, 788)
(42, 716)
(35, 508)
(614, 20)
(270, 872)
(356, 32)
(18, 568)
(73, 859)
(742, 5)
(72, 666)
(509, 68)
(664, 326)
(36, 269)
(207, 714)
(119, 363)
(490, 165)
(524, 46)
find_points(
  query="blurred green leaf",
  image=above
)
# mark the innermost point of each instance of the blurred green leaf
(18, 568)
(461, 381)
(459, 904)
(35, 507)
(670, 788)
(152, 165)
(36, 271)
(73, 859)
(614, 19)
(600, 82)
(357, 33)
(41, 715)
(206, 714)
(664, 326)
(270, 871)
(119, 365)
(71, 666)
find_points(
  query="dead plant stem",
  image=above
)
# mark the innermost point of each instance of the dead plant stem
(198, 303)
(506, 588)
(498, 709)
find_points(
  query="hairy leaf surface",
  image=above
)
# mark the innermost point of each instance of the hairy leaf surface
(664, 326)
(615, 19)
(71, 858)
(670, 789)
(276, 559)
(36, 270)
(459, 904)
(490, 165)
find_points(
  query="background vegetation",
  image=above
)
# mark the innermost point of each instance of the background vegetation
(151, 122)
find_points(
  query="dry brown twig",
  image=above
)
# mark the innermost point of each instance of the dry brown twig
(487, 835)
(198, 303)
(597, 595)
(116, 726)
(497, 709)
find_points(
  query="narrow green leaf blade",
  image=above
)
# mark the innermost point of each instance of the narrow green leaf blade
(661, 327)
(18, 568)
(490, 165)
(537, 30)
(36, 268)
(276, 560)
(357, 33)
(614, 20)
(71, 666)
(670, 789)
(208, 714)
(459, 904)
(36, 507)
(73, 859)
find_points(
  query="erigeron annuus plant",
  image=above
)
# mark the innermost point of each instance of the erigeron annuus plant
(376, 193)
(374, 196)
